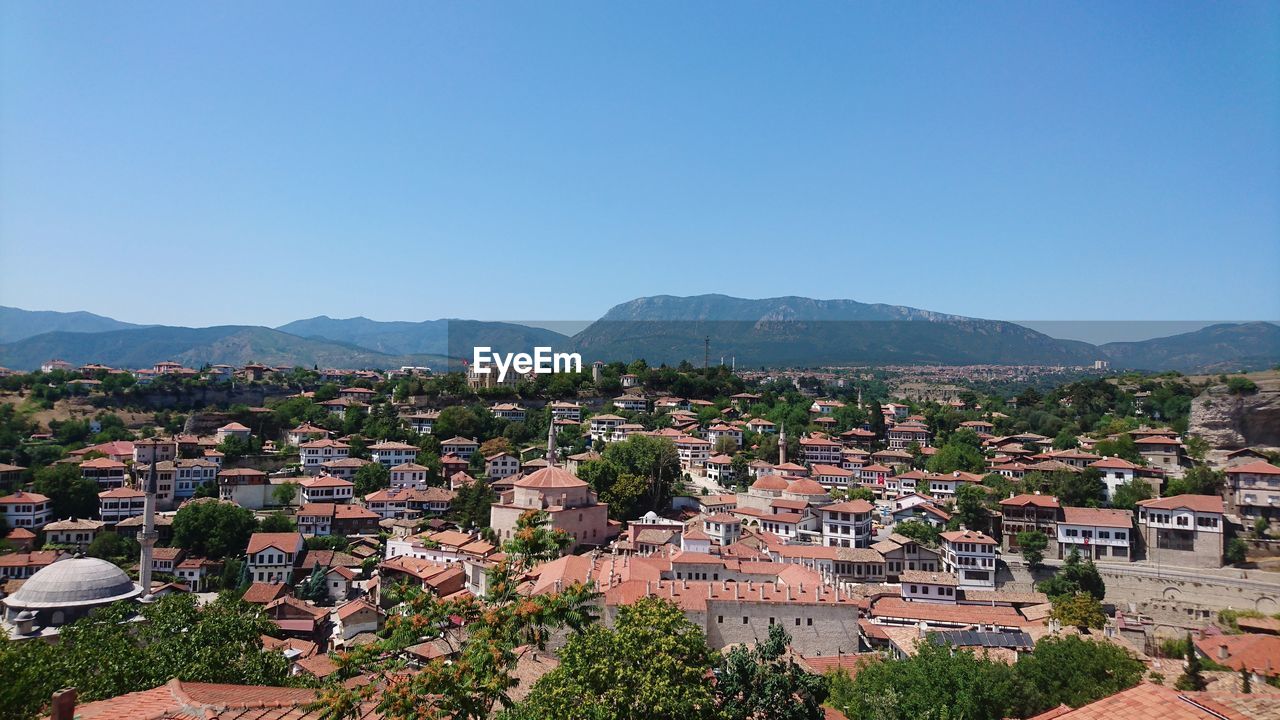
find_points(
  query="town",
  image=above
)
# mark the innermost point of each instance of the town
(410, 543)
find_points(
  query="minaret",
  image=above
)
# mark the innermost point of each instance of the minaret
(551, 442)
(782, 445)
(147, 538)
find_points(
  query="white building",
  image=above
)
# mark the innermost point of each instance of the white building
(1098, 533)
(604, 427)
(325, 489)
(501, 465)
(120, 503)
(462, 447)
(971, 557)
(315, 453)
(26, 510)
(1115, 472)
(271, 556)
(391, 454)
(847, 524)
(409, 475)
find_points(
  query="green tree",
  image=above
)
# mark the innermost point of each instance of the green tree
(1191, 677)
(213, 529)
(1128, 495)
(921, 532)
(1075, 576)
(652, 458)
(1079, 489)
(957, 455)
(70, 494)
(1199, 480)
(652, 664)
(1032, 544)
(277, 522)
(371, 478)
(764, 682)
(1237, 551)
(1074, 671)
(472, 504)
(284, 493)
(970, 510)
(1080, 610)
(218, 643)
(937, 682)
(110, 546)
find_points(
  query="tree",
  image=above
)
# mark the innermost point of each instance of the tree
(277, 522)
(1079, 489)
(472, 504)
(1128, 495)
(1199, 480)
(218, 643)
(1075, 671)
(213, 529)
(533, 542)
(113, 547)
(371, 478)
(494, 446)
(957, 454)
(1073, 577)
(969, 506)
(1191, 678)
(921, 532)
(1080, 610)
(70, 494)
(937, 682)
(726, 445)
(653, 663)
(766, 683)
(1032, 543)
(284, 493)
(1237, 551)
(652, 458)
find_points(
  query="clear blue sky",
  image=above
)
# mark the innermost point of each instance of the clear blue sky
(233, 163)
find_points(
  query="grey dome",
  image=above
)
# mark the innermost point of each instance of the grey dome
(74, 583)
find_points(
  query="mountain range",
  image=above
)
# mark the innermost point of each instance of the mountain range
(785, 331)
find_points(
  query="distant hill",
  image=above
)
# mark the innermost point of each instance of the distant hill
(807, 332)
(193, 347)
(18, 324)
(454, 338)
(784, 331)
(1225, 347)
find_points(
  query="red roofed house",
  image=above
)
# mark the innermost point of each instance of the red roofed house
(1253, 491)
(1022, 513)
(1102, 534)
(1116, 472)
(325, 489)
(847, 524)
(971, 557)
(108, 473)
(26, 510)
(1256, 654)
(1183, 530)
(272, 556)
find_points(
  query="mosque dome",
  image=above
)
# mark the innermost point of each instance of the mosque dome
(77, 582)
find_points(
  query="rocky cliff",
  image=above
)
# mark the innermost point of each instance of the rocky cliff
(1236, 421)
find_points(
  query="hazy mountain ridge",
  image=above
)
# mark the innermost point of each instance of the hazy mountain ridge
(430, 337)
(784, 331)
(194, 347)
(18, 324)
(1251, 346)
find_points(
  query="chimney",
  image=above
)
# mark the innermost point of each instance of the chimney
(1223, 654)
(923, 628)
(63, 706)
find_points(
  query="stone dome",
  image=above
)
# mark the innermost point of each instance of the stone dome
(76, 582)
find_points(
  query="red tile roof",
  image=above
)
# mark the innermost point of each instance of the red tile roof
(1097, 517)
(286, 542)
(1045, 501)
(1254, 468)
(1198, 503)
(177, 699)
